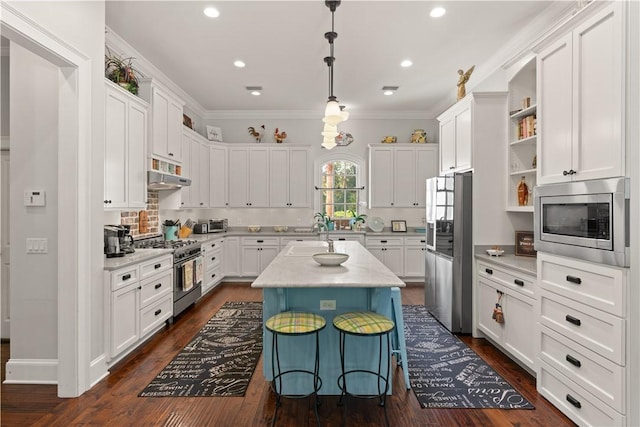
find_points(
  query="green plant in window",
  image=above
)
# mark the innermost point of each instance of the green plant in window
(322, 217)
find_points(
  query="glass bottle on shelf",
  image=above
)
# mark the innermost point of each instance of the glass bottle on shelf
(523, 193)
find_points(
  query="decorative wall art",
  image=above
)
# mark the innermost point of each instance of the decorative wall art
(214, 134)
(399, 226)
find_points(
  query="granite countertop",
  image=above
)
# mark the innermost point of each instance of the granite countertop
(138, 256)
(268, 231)
(295, 268)
(522, 264)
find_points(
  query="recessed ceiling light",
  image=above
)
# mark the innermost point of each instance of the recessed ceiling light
(406, 63)
(254, 90)
(389, 90)
(437, 12)
(211, 12)
(239, 63)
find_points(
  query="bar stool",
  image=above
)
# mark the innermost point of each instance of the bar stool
(291, 323)
(364, 324)
(398, 342)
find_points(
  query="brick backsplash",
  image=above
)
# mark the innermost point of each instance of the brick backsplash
(131, 217)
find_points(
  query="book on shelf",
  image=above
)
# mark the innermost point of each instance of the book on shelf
(526, 127)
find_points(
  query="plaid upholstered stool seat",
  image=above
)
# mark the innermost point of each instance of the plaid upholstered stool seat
(364, 323)
(292, 323)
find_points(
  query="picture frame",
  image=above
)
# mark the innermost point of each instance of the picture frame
(524, 244)
(399, 226)
(186, 120)
(214, 134)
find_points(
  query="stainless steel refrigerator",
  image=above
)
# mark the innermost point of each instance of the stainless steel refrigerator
(449, 254)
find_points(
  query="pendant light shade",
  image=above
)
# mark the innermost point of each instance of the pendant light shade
(329, 143)
(330, 131)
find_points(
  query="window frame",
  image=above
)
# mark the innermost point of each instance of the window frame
(339, 156)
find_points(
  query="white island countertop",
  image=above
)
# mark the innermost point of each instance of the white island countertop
(295, 268)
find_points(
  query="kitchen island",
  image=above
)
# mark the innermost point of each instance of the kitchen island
(293, 281)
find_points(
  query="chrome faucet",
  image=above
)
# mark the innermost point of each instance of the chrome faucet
(320, 225)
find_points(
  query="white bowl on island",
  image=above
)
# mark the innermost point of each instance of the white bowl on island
(330, 258)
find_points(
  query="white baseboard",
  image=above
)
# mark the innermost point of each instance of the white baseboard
(32, 371)
(98, 370)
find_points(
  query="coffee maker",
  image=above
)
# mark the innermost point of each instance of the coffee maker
(117, 241)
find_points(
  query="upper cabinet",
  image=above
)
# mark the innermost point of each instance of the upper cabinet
(249, 177)
(398, 174)
(522, 136)
(289, 179)
(195, 165)
(455, 137)
(580, 82)
(218, 192)
(166, 121)
(125, 148)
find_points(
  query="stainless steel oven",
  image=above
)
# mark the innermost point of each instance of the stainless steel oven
(585, 219)
(187, 277)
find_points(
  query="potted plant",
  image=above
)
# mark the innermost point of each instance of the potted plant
(356, 220)
(322, 218)
(120, 71)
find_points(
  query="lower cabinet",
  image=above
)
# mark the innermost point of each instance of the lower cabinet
(389, 250)
(414, 260)
(231, 258)
(516, 293)
(139, 299)
(213, 254)
(257, 253)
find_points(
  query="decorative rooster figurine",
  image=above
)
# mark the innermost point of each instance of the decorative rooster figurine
(279, 136)
(257, 134)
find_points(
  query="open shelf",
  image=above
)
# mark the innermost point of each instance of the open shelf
(525, 141)
(524, 113)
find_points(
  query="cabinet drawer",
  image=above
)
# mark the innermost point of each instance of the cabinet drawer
(267, 240)
(124, 276)
(154, 314)
(601, 377)
(587, 326)
(596, 285)
(155, 288)
(212, 259)
(285, 240)
(415, 241)
(156, 265)
(212, 245)
(519, 282)
(384, 241)
(585, 410)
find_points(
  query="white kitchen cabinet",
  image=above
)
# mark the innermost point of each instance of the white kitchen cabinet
(166, 121)
(398, 173)
(125, 148)
(389, 250)
(257, 253)
(455, 137)
(195, 165)
(138, 299)
(218, 196)
(414, 260)
(231, 264)
(581, 100)
(213, 256)
(249, 177)
(289, 177)
(203, 175)
(187, 170)
(518, 292)
(349, 236)
(284, 241)
(583, 338)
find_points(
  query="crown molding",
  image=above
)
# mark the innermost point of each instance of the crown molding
(312, 115)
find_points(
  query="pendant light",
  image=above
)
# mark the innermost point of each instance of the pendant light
(333, 113)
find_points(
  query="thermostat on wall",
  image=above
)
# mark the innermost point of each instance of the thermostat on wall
(34, 198)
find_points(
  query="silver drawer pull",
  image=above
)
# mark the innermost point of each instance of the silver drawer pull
(575, 362)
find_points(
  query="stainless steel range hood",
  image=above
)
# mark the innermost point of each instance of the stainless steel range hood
(163, 181)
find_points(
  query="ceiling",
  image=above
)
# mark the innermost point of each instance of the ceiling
(283, 46)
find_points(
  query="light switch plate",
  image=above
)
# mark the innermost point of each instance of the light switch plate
(327, 304)
(37, 245)
(34, 198)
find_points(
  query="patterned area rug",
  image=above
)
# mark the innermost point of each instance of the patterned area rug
(445, 373)
(219, 360)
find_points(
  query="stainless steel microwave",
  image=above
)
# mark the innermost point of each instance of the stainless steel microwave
(587, 220)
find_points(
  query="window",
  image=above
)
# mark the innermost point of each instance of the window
(339, 187)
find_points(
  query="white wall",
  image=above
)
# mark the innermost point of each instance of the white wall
(4, 94)
(34, 153)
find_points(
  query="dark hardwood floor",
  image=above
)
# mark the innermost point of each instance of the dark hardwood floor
(115, 402)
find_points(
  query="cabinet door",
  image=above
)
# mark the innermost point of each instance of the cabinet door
(381, 177)
(426, 167)
(137, 147)
(447, 145)
(267, 254)
(377, 252)
(217, 177)
(174, 130)
(486, 300)
(124, 319)
(404, 178)
(394, 260)
(159, 117)
(279, 177)
(231, 256)
(185, 192)
(259, 177)
(555, 93)
(519, 322)
(414, 261)
(203, 176)
(194, 160)
(598, 88)
(463, 139)
(251, 261)
(115, 155)
(238, 177)
(299, 178)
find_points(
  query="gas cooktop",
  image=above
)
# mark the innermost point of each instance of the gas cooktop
(158, 242)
